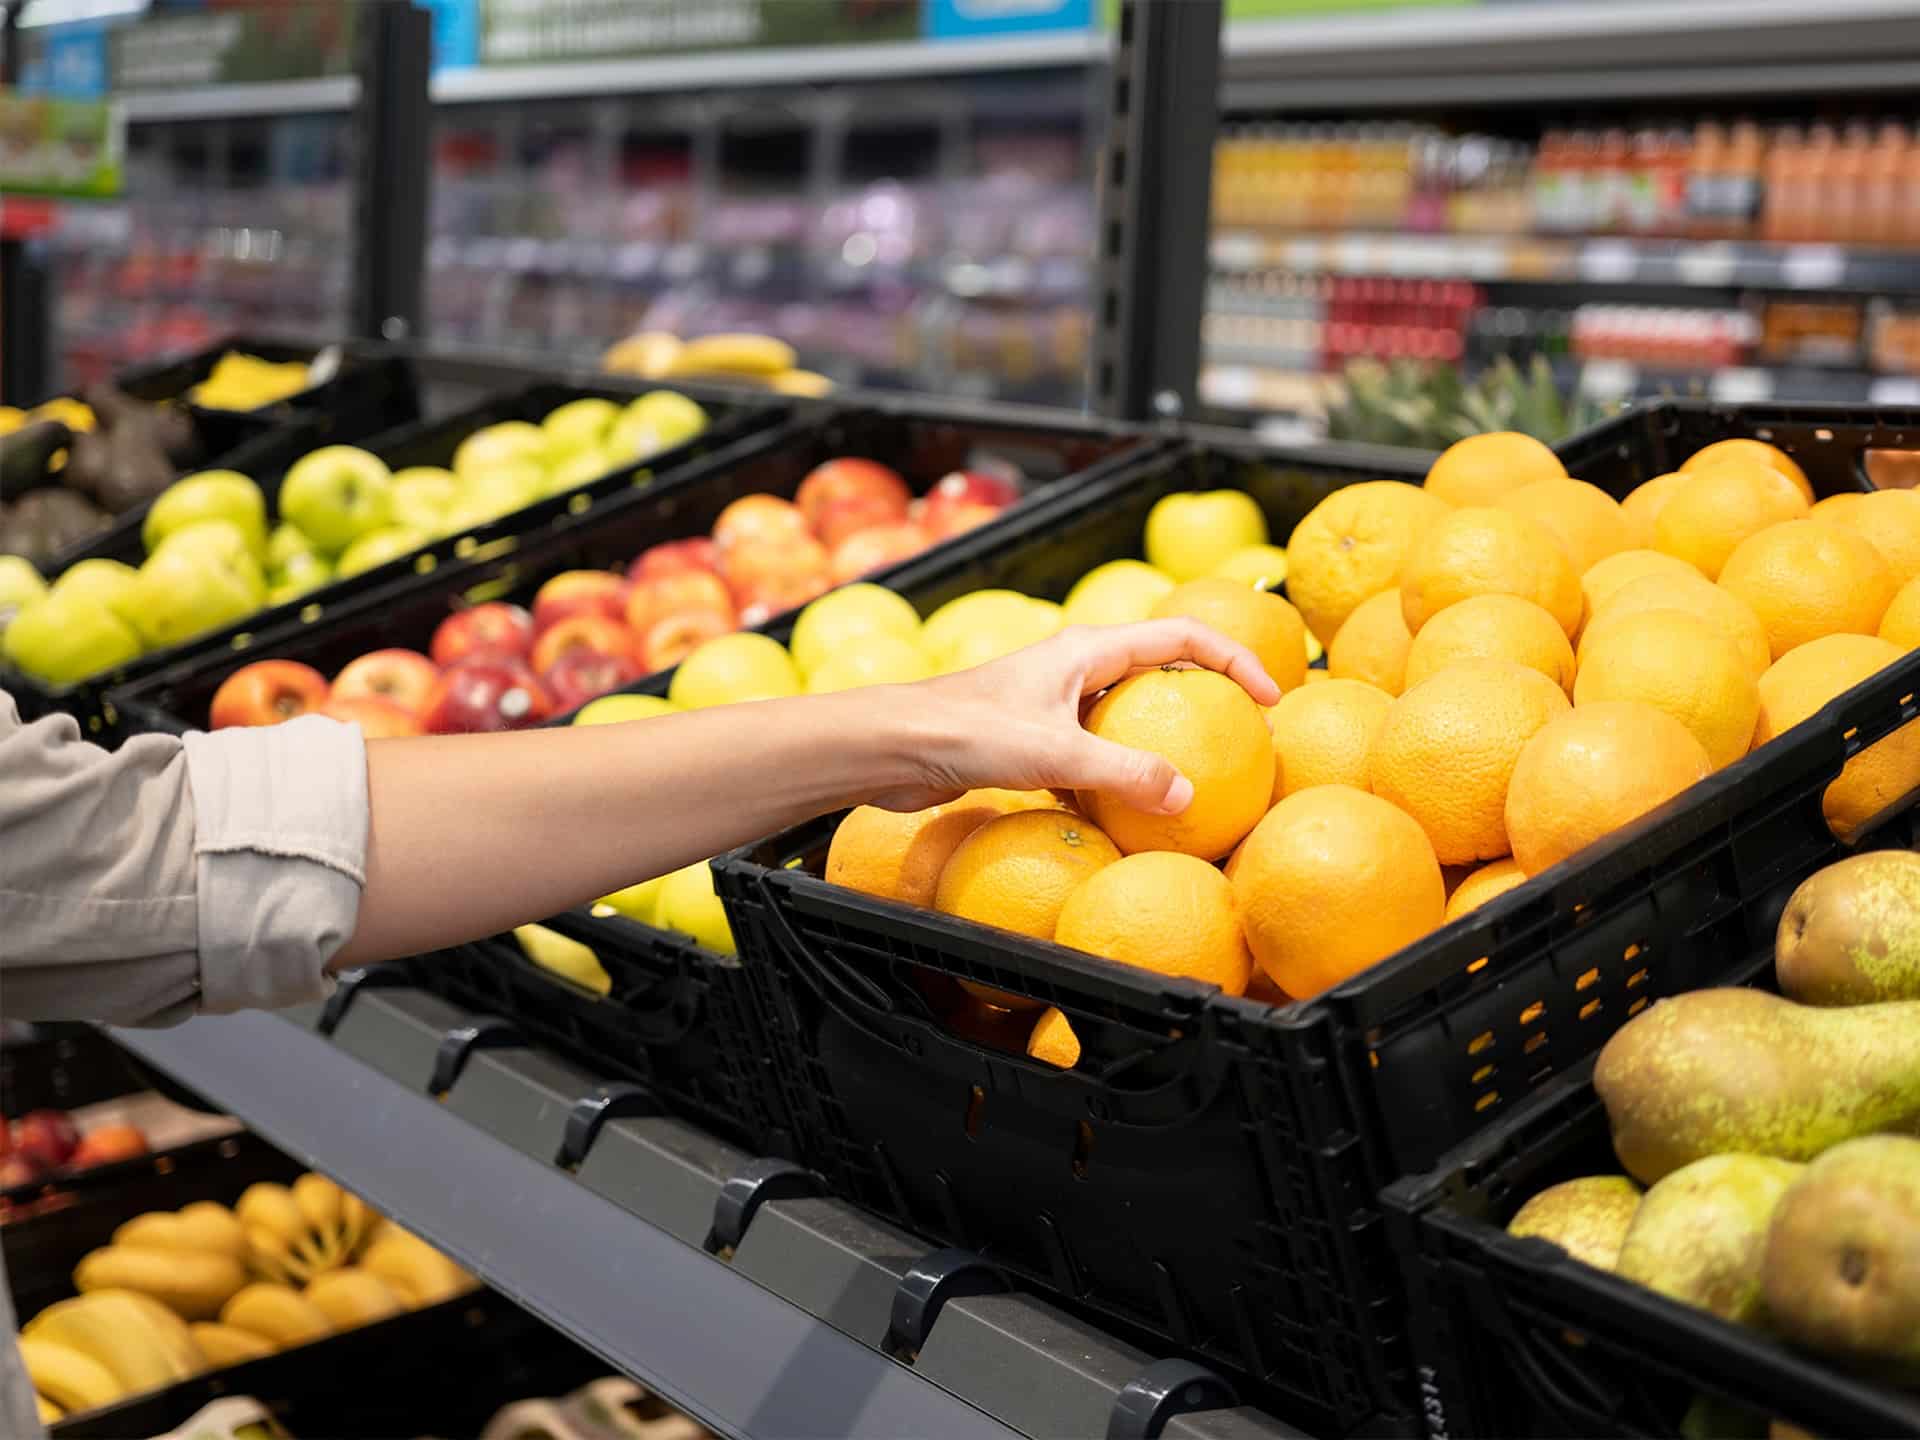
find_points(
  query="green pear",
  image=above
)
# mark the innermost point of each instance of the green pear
(1851, 933)
(210, 495)
(1842, 1267)
(20, 586)
(104, 582)
(1699, 1235)
(186, 589)
(377, 547)
(63, 639)
(1718, 1072)
(1588, 1217)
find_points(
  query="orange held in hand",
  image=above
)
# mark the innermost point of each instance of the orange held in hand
(1263, 622)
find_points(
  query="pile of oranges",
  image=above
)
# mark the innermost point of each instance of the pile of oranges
(1517, 666)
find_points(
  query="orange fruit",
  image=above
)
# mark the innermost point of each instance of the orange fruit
(1677, 662)
(1721, 451)
(1488, 551)
(1622, 568)
(1263, 622)
(1215, 736)
(1707, 517)
(1053, 1040)
(1350, 547)
(1317, 677)
(1372, 645)
(1330, 881)
(1481, 468)
(1449, 745)
(1889, 520)
(1323, 735)
(1588, 772)
(900, 857)
(1901, 624)
(1645, 501)
(1697, 595)
(1806, 578)
(1492, 627)
(1164, 912)
(1262, 988)
(1802, 681)
(1838, 508)
(1586, 520)
(1016, 871)
(1483, 885)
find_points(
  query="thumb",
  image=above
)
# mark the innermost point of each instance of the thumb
(1143, 779)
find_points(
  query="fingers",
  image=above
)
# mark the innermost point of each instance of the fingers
(1139, 777)
(1112, 651)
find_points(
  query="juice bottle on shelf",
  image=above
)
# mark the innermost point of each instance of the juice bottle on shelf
(1793, 178)
(1776, 185)
(1608, 199)
(1880, 186)
(1549, 180)
(1745, 165)
(1843, 186)
(1703, 208)
(1907, 227)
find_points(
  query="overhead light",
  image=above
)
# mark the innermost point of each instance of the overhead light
(67, 12)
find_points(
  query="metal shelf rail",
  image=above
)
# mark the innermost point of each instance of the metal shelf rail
(728, 1283)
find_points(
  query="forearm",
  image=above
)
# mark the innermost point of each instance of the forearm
(470, 835)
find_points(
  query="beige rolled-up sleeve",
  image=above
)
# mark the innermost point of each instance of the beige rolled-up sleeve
(172, 877)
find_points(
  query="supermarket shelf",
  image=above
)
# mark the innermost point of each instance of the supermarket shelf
(1715, 264)
(760, 67)
(214, 102)
(728, 1284)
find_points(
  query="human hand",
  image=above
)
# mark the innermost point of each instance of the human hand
(1015, 722)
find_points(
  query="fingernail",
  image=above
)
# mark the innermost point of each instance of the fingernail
(1179, 796)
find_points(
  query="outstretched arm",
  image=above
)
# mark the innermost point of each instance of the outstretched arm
(473, 834)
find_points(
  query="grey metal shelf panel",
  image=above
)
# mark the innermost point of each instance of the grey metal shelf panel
(734, 1355)
(215, 102)
(761, 67)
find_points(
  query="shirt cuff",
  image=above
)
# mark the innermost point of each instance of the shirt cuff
(280, 848)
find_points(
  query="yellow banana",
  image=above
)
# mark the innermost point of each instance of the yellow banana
(47, 1410)
(167, 1327)
(156, 1230)
(214, 1228)
(320, 1202)
(278, 1312)
(755, 355)
(418, 1273)
(648, 354)
(71, 1378)
(809, 383)
(357, 1221)
(192, 1283)
(353, 1297)
(271, 1207)
(565, 957)
(225, 1345)
(116, 1332)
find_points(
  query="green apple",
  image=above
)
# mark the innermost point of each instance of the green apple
(65, 638)
(657, 421)
(301, 575)
(378, 547)
(187, 588)
(421, 495)
(637, 902)
(337, 494)
(220, 540)
(1189, 534)
(578, 425)
(20, 586)
(612, 709)
(687, 903)
(284, 543)
(582, 467)
(493, 493)
(106, 582)
(502, 444)
(210, 495)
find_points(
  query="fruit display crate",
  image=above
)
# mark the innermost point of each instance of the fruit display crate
(61, 1066)
(1314, 1107)
(729, 1284)
(1515, 1337)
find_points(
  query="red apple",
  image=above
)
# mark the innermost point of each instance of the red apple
(45, 1137)
(876, 549)
(107, 1143)
(579, 592)
(17, 1170)
(758, 518)
(495, 628)
(6, 1137)
(593, 633)
(580, 674)
(666, 595)
(399, 677)
(267, 692)
(760, 605)
(487, 692)
(979, 487)
(671, 639)
(675, 556)
(378, 719)
(838, 481)
(754, 564)
(946, 521)
(849, 517)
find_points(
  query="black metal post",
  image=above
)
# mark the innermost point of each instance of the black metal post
(390, 149)
(1156, 185)
(26, 340)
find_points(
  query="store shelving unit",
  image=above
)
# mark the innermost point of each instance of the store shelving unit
(724, 1281)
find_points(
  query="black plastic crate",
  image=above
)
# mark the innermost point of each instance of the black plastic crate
(62, 1065)
(678, 1020)
(512, 562)
(1515, 1337)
